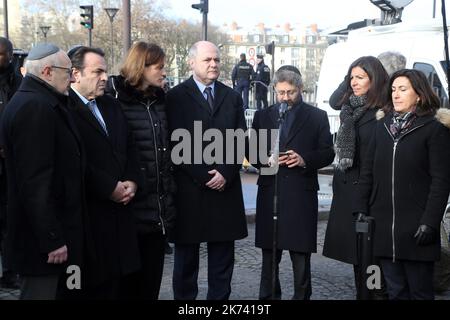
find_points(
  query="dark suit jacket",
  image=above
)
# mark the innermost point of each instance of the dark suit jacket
(45, 169)
(310, 137)
(205, 214)
(110, 158)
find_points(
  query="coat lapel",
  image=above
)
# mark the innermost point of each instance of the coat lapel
(195, 93)
(86, 114)
(108, 117)
(301, 115)
(220, 95)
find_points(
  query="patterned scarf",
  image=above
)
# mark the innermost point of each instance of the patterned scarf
(346, 137)
(401, 123)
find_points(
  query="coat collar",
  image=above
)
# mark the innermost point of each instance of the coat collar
(87, 115)
(219, 95)
(301, 115)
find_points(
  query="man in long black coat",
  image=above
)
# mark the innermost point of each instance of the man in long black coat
(305, 136)
(10, 80)
(112, 174)
(45, 170)
(209, 200)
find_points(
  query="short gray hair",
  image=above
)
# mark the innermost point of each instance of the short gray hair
(288, 76)
(35, 67)
(392, 61)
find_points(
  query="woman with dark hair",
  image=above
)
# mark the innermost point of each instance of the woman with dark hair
(405, 184)
(365, 94)
(139, 90)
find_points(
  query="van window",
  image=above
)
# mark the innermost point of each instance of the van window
(434, 81)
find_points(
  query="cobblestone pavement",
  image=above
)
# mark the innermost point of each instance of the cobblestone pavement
(330, 279)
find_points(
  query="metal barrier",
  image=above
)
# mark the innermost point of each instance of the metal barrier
(249, 114)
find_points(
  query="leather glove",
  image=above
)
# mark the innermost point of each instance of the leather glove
(425, 235)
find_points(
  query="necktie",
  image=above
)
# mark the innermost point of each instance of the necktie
(287, 123)
(209, 97)
(92, 105)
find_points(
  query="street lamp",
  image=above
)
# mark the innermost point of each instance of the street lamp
(45, 30)
(111, 12)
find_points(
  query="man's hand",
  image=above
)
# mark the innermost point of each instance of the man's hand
(291, 159)
(119, 192)
(58, 256)
(130, 191)
(217, 182)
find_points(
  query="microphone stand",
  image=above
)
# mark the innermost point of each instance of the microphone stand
(275, 209)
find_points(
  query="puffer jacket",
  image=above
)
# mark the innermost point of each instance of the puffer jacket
(154, 206)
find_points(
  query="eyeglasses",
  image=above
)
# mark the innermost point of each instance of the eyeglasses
(68, 70)
(289, 93)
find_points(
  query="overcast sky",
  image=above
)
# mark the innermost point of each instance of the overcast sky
(326, 13)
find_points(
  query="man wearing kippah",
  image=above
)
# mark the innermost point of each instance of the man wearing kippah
(45, 169)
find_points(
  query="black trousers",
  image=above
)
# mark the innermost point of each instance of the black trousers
(146, 283)
(220, 270)
(261, 98)
(409, 280)
(39, 287)
(301, 267)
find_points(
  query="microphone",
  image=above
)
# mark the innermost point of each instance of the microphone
(282, 109)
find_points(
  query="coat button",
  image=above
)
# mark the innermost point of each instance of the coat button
(355, 182)
(52, 235)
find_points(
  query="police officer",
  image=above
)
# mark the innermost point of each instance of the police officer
(262, 82)
(242, 75)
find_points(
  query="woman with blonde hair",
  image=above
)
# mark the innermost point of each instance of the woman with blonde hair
(139, 90)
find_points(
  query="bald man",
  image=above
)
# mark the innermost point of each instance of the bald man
(209, 199)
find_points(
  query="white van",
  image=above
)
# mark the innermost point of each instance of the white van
(422, 43)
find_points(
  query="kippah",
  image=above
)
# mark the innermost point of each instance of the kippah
(42, 50)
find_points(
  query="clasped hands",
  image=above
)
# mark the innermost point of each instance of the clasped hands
(124, 192)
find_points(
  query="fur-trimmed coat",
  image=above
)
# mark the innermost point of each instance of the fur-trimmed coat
(404, 183)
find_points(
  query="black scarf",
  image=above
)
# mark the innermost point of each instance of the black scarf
(346, 137)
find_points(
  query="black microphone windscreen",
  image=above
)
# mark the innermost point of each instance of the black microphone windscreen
(283, 108)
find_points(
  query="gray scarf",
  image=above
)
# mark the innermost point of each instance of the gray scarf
(346, 137)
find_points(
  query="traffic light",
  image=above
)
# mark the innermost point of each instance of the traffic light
(202, 6)
(270, 48)
(87, 16)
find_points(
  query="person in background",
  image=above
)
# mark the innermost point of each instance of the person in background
(241, 76)
(405, 183)
(365, 94)
(262, 83)
(10, 81)
(139, 91)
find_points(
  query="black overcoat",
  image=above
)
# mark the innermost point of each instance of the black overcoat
(340, 236)
(405, 188)
(310, 137)
(45, 170)
(110, 158)
(203, 214)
